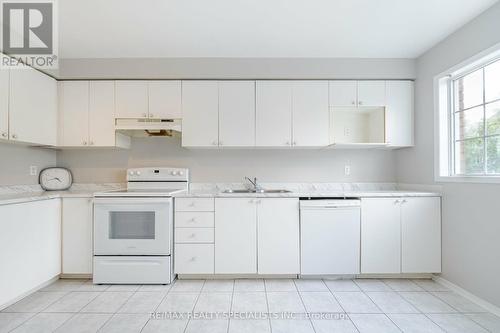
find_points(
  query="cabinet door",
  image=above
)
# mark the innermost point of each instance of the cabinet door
(343, 93)
(421, 235)
(237, 113)
(200, 108)
(235, 236)
(310, 113)
(33, 107)
(278, 236)
(380, 236)
(4, 103)
(131, 99)
(399, 113)
(102, 114)
(165, 99)
(74, 113)
(371, 93)
(30, 247)
(273, 113)
(77, 236)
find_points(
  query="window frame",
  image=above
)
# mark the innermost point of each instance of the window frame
(444, 155)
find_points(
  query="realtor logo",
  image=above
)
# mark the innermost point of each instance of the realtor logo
(28, 34)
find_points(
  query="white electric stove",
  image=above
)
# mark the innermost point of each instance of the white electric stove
(133, 228)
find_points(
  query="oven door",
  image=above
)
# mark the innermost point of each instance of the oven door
(132, 226)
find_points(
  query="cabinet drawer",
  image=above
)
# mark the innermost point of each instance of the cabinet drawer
(194, 219)
(194, 204)
(194, 259)
(194, 235)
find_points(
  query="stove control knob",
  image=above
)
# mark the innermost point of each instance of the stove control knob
(138, 173)
(131, 173)
(174, 173)
(181, 173)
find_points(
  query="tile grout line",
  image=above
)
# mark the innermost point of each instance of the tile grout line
(331, 292)
(231, 306)
(195, 303)
(154, 311)
(304, 304)
(268, 309)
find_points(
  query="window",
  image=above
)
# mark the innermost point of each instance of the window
(469, 119)
(476, 122)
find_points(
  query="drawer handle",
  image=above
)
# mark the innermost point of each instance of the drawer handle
(193, 235)
(192, 259)
(193, 220)
(191, 204)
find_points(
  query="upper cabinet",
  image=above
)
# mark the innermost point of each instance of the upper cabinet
(310, 115)
(399, 113)
(87, 115)
(148, 99)
(237, 113)
(164, 99)
(343, 93)
(131, 99)
(371, 93)
(32, 107)
(200, 114)
(4, 104)
(274, 113)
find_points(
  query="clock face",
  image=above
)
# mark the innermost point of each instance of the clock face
(53, 179)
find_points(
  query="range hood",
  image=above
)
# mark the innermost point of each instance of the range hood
(149, 127)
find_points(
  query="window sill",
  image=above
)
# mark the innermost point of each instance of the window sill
(468, 179)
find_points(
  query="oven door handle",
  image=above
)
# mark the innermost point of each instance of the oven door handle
(127, 201)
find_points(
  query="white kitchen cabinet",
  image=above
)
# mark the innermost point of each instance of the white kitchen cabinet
(278, 236)
(310, 113)
(131, 99)
(102, 114)
(399, 113)
(74, 113)
(87, 115)
(401, 235)
(32, 107)
(200, 114)
(4, 103)
(165, 99)
(77, 236)
(273, 113)
(235, 236)
(421, 235)
(237, 113)
(380, 235)
(343, 93)
(30, 247)
(371, 93)
(194, 258)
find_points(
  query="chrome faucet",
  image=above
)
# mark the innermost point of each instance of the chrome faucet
(256, 186)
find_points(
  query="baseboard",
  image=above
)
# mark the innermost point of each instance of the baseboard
(76, 276)
(29, 292)
(471, 297)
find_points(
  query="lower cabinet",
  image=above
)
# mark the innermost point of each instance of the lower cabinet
(257, 235)
(194, 258)
(30, 247)
(401, 235)
(278, 236)
(236, 236)
(77, 236)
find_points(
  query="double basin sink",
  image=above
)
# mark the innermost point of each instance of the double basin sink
(255, 191)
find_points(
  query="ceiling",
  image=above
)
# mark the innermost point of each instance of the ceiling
(257, 28)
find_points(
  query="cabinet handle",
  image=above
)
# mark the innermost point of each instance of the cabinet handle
(294, 143)
(144, 115)
(91, 143)
(192, 235)
(287, 143)
(396, 202)
(192, 259)
(220, 143)
(14, 136)
(191, 205)
(193, 220)
(353, 102)
(360, 103)
(151, 116)
(84, 143)
(4, 135)
(214, 143)
(404, 201)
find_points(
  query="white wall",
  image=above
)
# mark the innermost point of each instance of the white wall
(470, 211)
(231, 165)
(15, 161)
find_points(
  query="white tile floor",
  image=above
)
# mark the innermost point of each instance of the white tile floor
(356, 305)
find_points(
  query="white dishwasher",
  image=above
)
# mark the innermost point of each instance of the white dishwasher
(330, 236)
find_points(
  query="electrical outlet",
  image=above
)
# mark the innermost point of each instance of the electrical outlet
(33, 170)
(347, 170)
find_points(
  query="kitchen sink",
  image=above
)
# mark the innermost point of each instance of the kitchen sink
(255, 191)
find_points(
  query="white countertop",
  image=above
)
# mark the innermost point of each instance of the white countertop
(27, 193)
